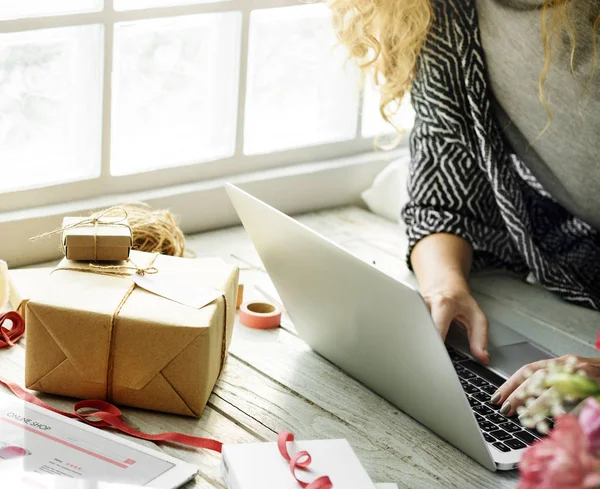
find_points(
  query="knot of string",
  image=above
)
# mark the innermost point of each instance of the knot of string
(112, 216)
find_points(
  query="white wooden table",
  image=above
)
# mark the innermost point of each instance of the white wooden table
(273, 381)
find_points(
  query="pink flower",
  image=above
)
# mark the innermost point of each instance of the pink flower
(560, 461)
(589, 419)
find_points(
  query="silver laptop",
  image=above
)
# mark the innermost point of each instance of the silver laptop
(380, 332)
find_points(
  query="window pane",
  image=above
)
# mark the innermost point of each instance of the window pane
(175, 91)
(12, 9)
(50, 106)
(373, 124)
(142, 4)
(300, 91)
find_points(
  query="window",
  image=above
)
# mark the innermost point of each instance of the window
(114, 96)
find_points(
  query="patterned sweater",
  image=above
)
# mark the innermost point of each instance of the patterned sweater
(465, 180)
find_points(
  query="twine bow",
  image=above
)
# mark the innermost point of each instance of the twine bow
(119, 216)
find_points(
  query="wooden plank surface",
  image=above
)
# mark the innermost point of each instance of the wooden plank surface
(273, 381)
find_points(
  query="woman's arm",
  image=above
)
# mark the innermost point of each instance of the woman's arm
(439, 257)
(442, 263)
(453, 220)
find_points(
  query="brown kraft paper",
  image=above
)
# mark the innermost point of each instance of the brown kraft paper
(158, 354)
(96, 242)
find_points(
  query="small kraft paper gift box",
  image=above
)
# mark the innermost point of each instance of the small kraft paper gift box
(101, 239)
(152, 332)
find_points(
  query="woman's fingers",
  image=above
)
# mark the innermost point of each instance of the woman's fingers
(517, 397)
(464, 310)
(511, 385)
(477, 326)
(510, 394)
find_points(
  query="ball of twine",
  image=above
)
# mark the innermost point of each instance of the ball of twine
(153, 231)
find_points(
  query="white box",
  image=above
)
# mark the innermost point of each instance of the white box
(261, 466)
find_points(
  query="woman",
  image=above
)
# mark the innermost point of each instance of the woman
(505, 171)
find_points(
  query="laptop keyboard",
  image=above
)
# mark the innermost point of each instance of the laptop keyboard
(503, 432)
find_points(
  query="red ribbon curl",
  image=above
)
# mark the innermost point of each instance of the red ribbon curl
(8, 337)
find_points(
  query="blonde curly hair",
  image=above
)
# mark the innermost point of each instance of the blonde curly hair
(385, 37)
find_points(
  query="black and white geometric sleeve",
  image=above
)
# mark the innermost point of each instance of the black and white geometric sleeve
(449, 191)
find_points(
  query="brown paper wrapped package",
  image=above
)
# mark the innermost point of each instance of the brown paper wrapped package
(165, 356)
(101, 242)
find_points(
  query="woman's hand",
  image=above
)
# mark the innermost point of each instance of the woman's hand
(442, 263)
(452, 302)
(513, 392)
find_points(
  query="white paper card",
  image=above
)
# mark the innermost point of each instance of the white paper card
(32, 480)
(261, 466)
(386, 486)
(38, 441)
(178, 288)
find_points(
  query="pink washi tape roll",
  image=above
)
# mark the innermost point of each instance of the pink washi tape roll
(8, 453)
(260, 315)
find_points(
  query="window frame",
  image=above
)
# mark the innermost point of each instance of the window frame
(107, 184)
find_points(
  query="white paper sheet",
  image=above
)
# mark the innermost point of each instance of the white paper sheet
(20, 480)
(43, 444)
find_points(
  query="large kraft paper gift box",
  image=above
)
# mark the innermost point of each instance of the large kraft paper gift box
(97, 336)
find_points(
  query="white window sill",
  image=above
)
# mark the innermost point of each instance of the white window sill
(203, 206)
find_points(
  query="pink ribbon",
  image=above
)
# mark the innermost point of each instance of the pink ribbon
(101, 414)
(8, 337)
(300, 461)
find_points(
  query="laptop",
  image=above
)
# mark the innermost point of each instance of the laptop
(380, 332)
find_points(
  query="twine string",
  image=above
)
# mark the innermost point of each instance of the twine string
(91, 221)
(116, 269)
(154, 230)
(119, 219)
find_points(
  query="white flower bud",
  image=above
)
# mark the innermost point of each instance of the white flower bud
(543, 427)
(527, 422)
(570, 364)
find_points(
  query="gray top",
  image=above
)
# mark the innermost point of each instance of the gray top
(565, 158)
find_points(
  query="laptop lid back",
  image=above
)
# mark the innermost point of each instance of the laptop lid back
(373, 327)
